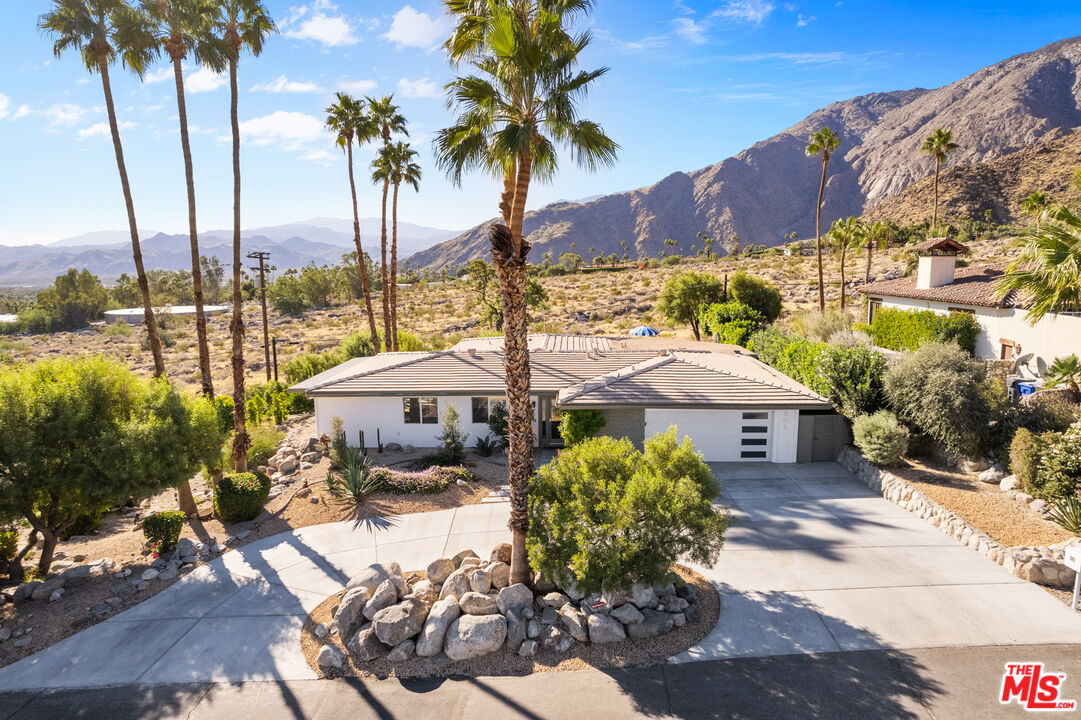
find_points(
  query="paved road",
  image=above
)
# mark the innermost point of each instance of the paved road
(942, 683)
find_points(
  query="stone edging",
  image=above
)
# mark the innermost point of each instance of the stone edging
(1043, 565)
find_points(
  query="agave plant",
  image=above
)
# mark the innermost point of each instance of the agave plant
(1066, 513)
(486, 446)
(356, 481)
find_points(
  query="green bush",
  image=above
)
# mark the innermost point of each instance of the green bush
(939, 391)
(756, 293)
(429, 481)
(273, 401)
(853, 378)
(241, 496)
(497, 421)
(83, 525)
(264, 444)
(162, 530)
(1025, 458)
(9, 545)
(880, 438)
(223, 409)
(1048, 412)
(452, 438)
(733, 322)
(578, 425)
(287, 296)
(1059, 473)
(611, 515)
(907, 330)
(822, 325)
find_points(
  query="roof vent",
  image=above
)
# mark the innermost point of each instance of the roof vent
(472, 352)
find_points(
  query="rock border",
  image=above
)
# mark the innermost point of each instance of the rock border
(1042, 565)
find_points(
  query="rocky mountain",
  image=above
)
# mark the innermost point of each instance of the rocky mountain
(770, 188)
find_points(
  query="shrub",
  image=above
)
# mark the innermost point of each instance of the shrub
(880, 438)
(853, 378)
(1025, 458)
(849, 339)
(1048, 411)
(943, 394)
(433, 480)
(453, 438)
(486, 446)
(822, 325)
(908, 330)
(264, 444)
(9, 545)
(358, 344)
(355, 482)
(757, 294)
(684, 296)
(83, 525)
(733, 322)
(1066, 513)
(223, 409)
(578, 425)
(162, 530)
(611, 515)
(497, 421)
(1059, 473)
(241, 496)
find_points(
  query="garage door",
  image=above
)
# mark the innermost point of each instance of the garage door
(720, 435)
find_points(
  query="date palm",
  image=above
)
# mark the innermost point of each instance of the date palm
(845, 235)
(1034, 204)
(243, 25)
(102, 31)
(347, 119)
(180, 28)
(396, 162)
(1047, 271)
(939, 144)
(821, 143)
(520, 101)
(1066, 371)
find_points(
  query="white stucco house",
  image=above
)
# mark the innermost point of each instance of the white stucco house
(1005, 334)
(733, 406)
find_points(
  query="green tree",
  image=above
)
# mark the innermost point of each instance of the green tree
(757, 294)
(521, 102)
(386, 121)
(821, 143)
(396, 162)
(879, 235)
(101, 31)
(1034, 204)
(75, 298)
(845, 235)
(80, 436)
(213, 277)
(482, 278)
(684, 296)
(938, 144)
(576, 426)
(1047, 271)
(1065, 371)
(571, 261)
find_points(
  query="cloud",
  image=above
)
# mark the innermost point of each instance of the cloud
(21, 112)
(424, 88)
(804, 21)
(750, 11)
(5, 103)
(417, 29)
(357, 87)
(323, 157)
(101, 129)
(689, 30)
(159, 75)
(282, 84)
(65, 114)
(290, 130)
(323, 25)
(203, 80)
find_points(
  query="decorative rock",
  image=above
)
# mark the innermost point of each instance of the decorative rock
(425, 591)
(628, 614)
(430, 640)
(457, 559)
(395, 624)
(971, 466)
(1039, 506)
(500, 574)
(400, 585)
(533, 629)
(575, 622)
(456, 585)
(604, 629)
(480, 580)
(692, 613)
(663, 591)
(25, 590)
(654, 624)
(471, 636)
(687, 592)
(528, 648)
(679, 619)
(1008, 483)
(549, 616)
(311, 457)
(501, 553)
(330, 656)
(141, 585)
(475, 603)
(643, 596)
(553, 600)
(992, 475)
(321, 630)
(571, 589)
(384, 596)
(23, 641)
(42, 591)
(371, 576)
(542, 584)
(392, 447)
(516, 597)
(350, 613)
(288, 466)
(517, 628)
(365, 645)
(150, 574)
(402, 651)
(471, 562)
(4, 634)
(555, 640)
(440, 570)
(675, 604)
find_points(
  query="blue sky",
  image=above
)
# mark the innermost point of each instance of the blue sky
(691, 82)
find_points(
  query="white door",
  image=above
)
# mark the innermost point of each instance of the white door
(720, 435)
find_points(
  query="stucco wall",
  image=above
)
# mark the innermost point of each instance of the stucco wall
(625, 422)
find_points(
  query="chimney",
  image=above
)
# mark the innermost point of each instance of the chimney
(937, 262)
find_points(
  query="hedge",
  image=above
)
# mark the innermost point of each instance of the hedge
(897, 329)
(435, 479)
(162, 530)
(241, 496)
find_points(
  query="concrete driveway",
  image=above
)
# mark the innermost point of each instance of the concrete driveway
(817, 562)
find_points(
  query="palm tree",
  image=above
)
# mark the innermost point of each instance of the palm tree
(243, 24)
(1034, 204)
(878, 236)
(102, 30)
(347, 119)
(1047, 271)
(522, 99)
(1066, 371)
(939, 144)
(387, 121)
(822, 142)
(846, 235)
(397, 161)
(180, 27)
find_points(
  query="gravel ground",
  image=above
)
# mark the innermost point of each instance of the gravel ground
(630, 653)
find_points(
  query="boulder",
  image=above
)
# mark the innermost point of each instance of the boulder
(1008, 483)
(500, 573)
(549, 616)
(604, 629)
(365, 646)
(516, 597)
(288, 466)
(45, 589)
(395, 624)
(330, 657)
(664, 590)
(533, 629)
(653, 624)
(971, 466)
(439, 570)
(554, 600)
(401, 586)
(675, 604)
(472, 562)
(480, 580)
(679, 619)
(456, 585)
(992, 475)
(384, 596)
(542, 584)
(402, 651)
(501, 553)
(516, 630)
(687, 592)
(425, 591)
(457, 559)
(643, 596)
(471, 636)
(575, 622)
(25, 591)
(371, 576)
(350, 613)
(570, 587)
(311, 457)
(556, 640)
(528, 648)
(392, 447)
(475, 603)
(430, 640)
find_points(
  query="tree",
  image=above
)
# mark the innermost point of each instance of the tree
(102, 30)
(1066, 371)
(685, 294)
(756, 293)
(1034, 204)
(213, 276)
(938, 144)
(521, 102)
(385, 121)
(1047, 271)
(396, 162)
(846, 235)
(81, 436)
(482, 277)
(241, 25)
(878, 235)
(571, 261)
(75, 298)
(347, 119)
(180, 27)
(822, 142)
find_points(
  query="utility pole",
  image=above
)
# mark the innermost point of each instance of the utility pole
(262, 257)
(274, 347)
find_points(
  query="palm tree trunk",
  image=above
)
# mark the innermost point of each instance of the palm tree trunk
(843, 249)
(387, 334)
(934, 217)
(241, 442)
(207, 379)
(136, 249)
(365, 284)
(818, 234)
(394, 267)
(867, 275)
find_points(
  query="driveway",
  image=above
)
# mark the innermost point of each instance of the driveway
(817, 562)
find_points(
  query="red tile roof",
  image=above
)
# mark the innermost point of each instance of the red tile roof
(971, 286)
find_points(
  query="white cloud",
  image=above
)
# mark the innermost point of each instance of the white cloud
(323, 157)
(101, 129)
(804, 21)
(417, 29)
(159, 75)
(357, 87)
(423, 88)
(290, 130)
(282, 84)
(65, 114)
(689, 30)
(751, 11)
(330, 30)
(203, 80)
(5, 103)
(21, 112)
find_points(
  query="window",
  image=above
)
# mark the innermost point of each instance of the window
(482, 408)
(873, 304)
(755, 429)
(1008, 349)
(755, 416)
(753, 454)
(423, 410)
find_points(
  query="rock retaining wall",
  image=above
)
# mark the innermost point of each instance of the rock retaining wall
(1043, 565)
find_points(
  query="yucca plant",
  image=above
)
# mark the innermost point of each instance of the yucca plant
(1066, 513)
(356, 480)
(486, 446)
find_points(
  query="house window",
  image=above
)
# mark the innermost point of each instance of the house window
(421, 410)
(873, 304)
(482, 408)
(1008, 349)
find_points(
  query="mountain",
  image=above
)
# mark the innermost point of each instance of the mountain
(770, 188)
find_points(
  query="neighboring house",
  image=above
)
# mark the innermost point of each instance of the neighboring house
(1005, 334)
(733, 406)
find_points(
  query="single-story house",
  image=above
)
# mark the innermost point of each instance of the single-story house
(733, 406)
(1005, 333)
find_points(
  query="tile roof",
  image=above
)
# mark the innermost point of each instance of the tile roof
(939, 243)
(971, 286)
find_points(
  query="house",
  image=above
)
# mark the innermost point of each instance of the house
(1005, 333)
(733, 406)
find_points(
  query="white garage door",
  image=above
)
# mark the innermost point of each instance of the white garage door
(720, 435)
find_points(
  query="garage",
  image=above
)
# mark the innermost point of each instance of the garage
(743, 435)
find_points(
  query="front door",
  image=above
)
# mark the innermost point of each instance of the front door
(548, 423)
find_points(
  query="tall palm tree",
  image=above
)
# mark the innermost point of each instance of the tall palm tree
(822, 142)
(877, 236)
(348, 120)
(182, 27)
(242, 25)
(102, 30)
(939, 144)
(1034, 204)
(387, 122)
(1047, 271)
(846, 235)
(521, 100)
(396, 162)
